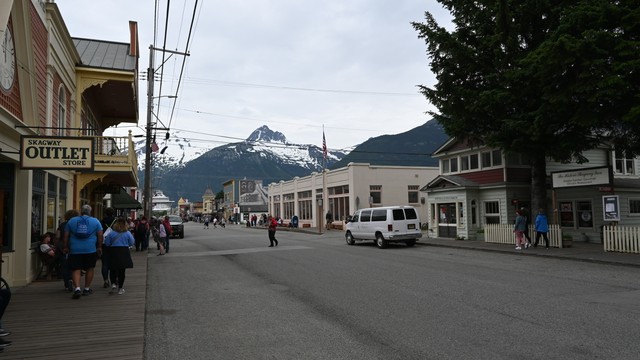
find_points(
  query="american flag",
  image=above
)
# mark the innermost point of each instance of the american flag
(324, 147)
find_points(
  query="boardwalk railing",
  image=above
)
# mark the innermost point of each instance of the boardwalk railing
(503, 234)
(621, 239)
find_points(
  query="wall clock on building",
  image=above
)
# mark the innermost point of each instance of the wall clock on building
(7, 61)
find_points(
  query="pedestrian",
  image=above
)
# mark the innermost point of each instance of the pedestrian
(329, 219)
(206, 222)
(107, 221)
(272, 225)
(518, 229)
(542, 228)
(117, 245)
(142, 231)
(158, 232)
(5, 298)
(64, 266)
(527, 222)
(167, 228)
(83, 242)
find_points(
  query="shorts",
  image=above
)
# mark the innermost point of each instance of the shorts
(82, 261)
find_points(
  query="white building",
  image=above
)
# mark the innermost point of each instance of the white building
(342, 191)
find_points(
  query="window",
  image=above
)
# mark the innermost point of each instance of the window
(492, 212)
(445, 166)
(454, 165)
(473, 161)
(585, 214)
(62, 111)
(365, 216)
(623, 165)
(288, 206)
(473, 213)
(375, 193)
(493, 158)
(464, 163)
(413, 194)
(634, 206)
(566, 214)
(379, 215)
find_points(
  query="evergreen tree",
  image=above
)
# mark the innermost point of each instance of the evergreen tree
(544, 78)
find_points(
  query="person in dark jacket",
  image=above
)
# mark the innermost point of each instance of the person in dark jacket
(542, 228)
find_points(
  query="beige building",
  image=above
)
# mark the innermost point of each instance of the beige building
(341, 191)
(58, 95)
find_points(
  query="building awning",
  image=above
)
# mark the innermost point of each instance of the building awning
(122, 200)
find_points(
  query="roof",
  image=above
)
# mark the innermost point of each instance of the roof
(105, 54)
(451, 180)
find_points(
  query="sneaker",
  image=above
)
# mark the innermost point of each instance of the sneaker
(526, 246)
(113, 289)
(86, 292)
(518, 248)
(4, 343)
(106, 284)
(4, 333)
(120, 291)
(76, 294)
(70, 285)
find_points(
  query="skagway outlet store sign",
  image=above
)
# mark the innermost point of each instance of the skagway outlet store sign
(46, 152)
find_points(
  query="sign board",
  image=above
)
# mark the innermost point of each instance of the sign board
(65, 153)
(611, 207)
(583, 177)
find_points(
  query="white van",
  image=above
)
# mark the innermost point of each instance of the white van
(384, 225)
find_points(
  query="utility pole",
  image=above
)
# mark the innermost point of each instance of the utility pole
(148, 204)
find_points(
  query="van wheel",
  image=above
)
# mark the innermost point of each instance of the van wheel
(410, 242)
(349, 238)
(380, 241)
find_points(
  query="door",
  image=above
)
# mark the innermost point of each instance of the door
(447, 220)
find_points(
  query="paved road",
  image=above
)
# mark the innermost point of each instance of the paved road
(222, 294)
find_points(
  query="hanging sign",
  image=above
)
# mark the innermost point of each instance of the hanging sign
(65, 153)
(583, 177)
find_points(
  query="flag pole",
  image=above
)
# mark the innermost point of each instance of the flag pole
(325, 197)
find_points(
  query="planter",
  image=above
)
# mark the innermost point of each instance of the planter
(567, 241)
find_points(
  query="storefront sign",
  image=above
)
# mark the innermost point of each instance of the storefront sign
(610, 205)
(46, 152)
(584, 177)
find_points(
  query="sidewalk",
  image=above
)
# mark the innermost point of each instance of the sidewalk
(579, 251)
(45, 323)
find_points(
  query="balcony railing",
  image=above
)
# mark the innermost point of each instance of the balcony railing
(116, 154)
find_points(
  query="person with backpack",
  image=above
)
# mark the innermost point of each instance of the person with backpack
(83, 243)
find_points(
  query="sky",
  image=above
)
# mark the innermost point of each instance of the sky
(301, 67)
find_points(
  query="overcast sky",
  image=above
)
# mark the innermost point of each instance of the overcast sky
(351, 66)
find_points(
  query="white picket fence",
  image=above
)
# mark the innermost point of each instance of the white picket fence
(624, 239)
(503, 234)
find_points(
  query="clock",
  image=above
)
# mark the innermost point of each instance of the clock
(7, 61)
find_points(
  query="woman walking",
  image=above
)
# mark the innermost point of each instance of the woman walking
(117, 245)
(518, 229)
(273, 224)
(158, 232)
(542, 228)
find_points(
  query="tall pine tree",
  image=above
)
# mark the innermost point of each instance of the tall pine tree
(544, 78)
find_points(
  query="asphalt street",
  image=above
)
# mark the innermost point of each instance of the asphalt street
(223, 294)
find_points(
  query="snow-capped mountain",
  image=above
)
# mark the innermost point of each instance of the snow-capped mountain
(186, 171)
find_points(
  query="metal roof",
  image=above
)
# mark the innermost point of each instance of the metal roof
(105, 54)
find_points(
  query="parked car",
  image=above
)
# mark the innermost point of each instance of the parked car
(384, 225)
(177, 225)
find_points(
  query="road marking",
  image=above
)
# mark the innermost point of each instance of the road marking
(233, 251)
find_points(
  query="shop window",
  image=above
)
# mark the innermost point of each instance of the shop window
(585, 214)
(566, 214)
(492, 212)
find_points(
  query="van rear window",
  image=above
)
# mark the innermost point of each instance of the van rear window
(379, 215)
(398, 214)
(411, 214)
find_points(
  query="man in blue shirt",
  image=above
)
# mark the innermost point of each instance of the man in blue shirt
(83, 244)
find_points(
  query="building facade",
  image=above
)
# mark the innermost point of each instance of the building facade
(56, 99)
(340, 192)
(479, 185)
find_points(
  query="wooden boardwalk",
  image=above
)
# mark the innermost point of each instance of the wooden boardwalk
(45, 323)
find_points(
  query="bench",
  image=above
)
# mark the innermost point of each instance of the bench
(48, 266)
